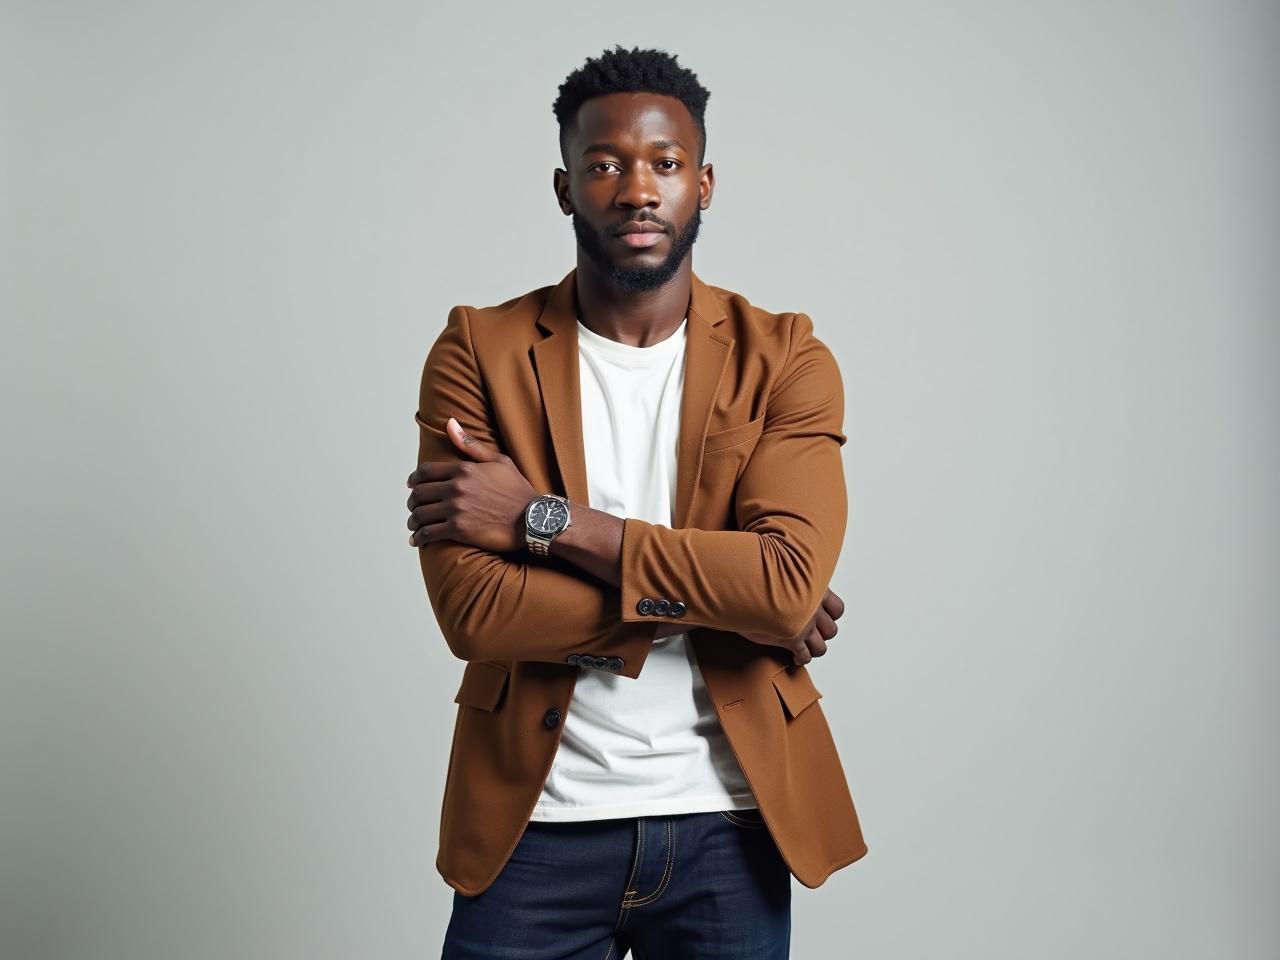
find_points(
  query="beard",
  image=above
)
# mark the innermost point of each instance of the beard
(630, 278)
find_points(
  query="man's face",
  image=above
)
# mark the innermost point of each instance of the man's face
(633, 159)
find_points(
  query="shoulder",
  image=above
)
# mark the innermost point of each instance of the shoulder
(501, 319)
(784, 337)
(514, 309)
(788, 336)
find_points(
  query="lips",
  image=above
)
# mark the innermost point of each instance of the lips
(640, 226)
(643, 233)
(641, 239)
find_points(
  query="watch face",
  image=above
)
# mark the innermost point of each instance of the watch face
(547, 516)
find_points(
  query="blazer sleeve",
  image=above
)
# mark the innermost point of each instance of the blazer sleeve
(769, 575)
(498, 606)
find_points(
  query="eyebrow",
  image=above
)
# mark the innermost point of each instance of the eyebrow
(613, 147)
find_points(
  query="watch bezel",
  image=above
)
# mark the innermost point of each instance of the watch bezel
(531, 531)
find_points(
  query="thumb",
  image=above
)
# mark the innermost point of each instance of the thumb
(468, 444)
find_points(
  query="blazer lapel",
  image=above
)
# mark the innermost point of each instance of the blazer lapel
(707, 351)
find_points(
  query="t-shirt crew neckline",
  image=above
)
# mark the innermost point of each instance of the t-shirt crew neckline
(655, 351)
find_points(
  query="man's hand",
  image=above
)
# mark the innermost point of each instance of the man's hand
(479, 501)
(812, 641)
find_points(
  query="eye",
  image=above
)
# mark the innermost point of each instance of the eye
(675, 165)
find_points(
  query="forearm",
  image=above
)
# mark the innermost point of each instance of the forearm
(489, 607)
(592, 542)
(739, 581)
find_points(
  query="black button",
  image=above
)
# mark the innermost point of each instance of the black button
(662, 606)
(645, 606)
(678, 608)
(552, 717)
(599, 662)
(615, 663)
(574, 659)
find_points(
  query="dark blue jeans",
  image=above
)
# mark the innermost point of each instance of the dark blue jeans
(669, 887)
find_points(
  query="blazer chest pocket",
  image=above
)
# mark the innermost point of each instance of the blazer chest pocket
(483, 685)
(734, 437)
(725, 454)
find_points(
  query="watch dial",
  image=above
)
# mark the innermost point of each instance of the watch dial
(548, 516)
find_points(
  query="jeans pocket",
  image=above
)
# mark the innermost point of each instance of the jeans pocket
(748, 819)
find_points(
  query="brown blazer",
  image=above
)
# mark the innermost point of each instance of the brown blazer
(761, 509)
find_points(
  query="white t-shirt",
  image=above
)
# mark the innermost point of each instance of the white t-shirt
(650, 745)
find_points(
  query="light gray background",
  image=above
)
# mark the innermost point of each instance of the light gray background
(1041, 240)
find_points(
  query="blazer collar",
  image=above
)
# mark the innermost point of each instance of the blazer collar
(707, 350)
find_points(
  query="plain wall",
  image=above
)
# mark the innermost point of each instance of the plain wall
(1042, 241)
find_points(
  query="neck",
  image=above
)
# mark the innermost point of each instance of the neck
(638, 318)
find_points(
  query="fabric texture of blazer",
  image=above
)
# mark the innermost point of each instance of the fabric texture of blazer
(760, 514)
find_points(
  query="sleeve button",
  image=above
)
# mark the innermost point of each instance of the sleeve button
(645, 606)
(662, 606)
(678, 608)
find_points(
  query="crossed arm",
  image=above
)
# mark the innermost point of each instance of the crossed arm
(767, 577)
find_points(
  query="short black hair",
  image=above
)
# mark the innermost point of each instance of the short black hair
(631, 71)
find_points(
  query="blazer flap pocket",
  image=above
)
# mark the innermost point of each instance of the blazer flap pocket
(482, 685)
(795, 687)
(720, 439)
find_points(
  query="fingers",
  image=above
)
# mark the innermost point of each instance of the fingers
(435, 491)
(434, 470)
(428, 507)
(470, 445)
(426, 514)
(817, 646)
(832, 604)
(825, 626)
(431, 532)
(807, 646)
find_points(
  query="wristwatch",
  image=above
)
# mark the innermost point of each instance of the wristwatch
(545, 518)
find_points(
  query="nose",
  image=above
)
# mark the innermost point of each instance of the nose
(637, 188)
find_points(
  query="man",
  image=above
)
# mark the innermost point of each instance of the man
(628, 505)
